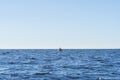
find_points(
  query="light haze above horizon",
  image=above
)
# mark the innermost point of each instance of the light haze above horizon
(34, 24)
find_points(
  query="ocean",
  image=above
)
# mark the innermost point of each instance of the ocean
(52, 64)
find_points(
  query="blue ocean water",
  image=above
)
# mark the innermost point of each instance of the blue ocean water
(51, 64)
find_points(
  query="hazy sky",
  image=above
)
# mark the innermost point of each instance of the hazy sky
(55, 23)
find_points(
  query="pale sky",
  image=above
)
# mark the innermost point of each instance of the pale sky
(59, 23)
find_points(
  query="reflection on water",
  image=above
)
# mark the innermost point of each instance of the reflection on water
(52, 64)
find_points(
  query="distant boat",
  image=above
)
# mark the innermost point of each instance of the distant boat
(60, 49)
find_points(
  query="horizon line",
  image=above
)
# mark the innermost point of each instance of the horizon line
(58, 48)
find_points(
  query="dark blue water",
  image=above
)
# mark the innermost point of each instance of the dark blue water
(54, 65)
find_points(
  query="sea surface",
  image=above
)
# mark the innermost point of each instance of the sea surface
(52, 64)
